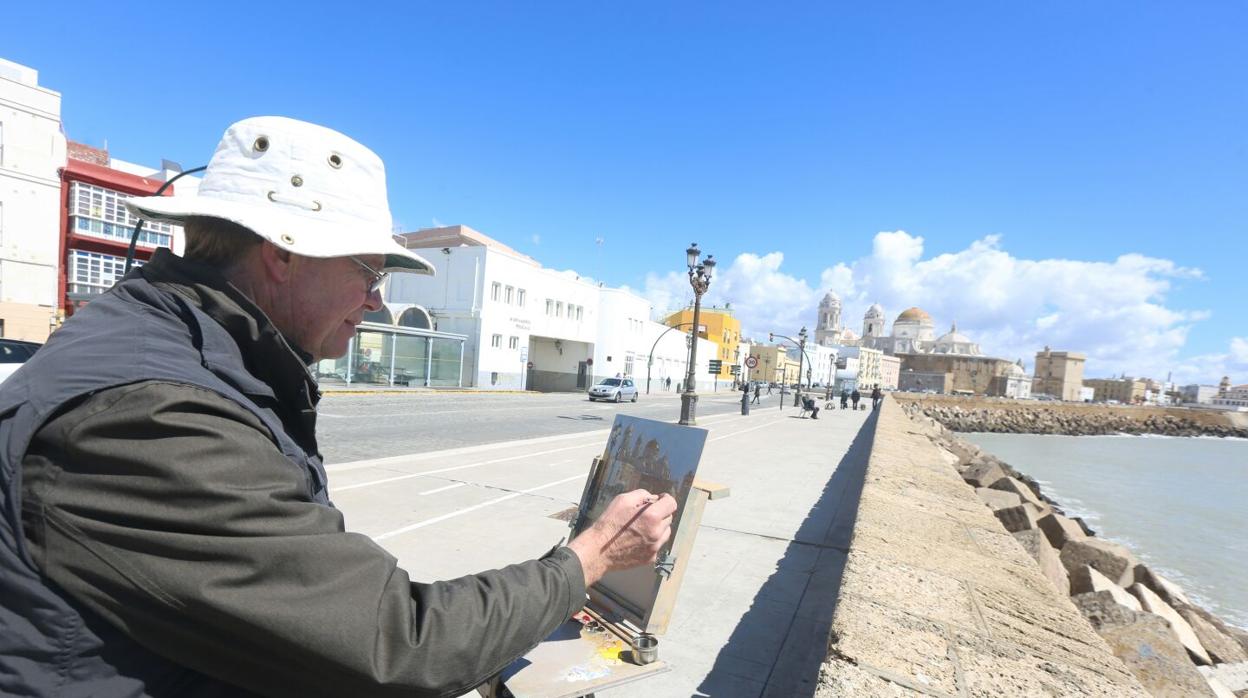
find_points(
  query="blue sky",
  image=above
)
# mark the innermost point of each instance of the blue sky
(1071, 173)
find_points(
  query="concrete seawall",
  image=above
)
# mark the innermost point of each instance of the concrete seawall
(937, 599)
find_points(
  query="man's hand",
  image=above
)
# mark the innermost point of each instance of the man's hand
(628, 534)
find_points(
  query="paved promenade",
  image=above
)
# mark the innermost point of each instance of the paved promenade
(756, 604)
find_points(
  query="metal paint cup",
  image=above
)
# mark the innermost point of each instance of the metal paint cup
(646, 649)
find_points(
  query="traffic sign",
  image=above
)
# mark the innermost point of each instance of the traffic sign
(530, 364)
(714, 365)
(751, 362)
(735, 369)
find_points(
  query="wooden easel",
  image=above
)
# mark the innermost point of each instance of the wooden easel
(593, 651)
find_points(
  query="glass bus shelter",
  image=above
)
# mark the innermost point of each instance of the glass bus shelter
(390, 355)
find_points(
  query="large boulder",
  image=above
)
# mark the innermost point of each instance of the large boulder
(996, 499)
(1018, 518)
(1060, 530)
(1110, 559)
(983, 472)
(1222, 648)
(1037, 546)
(1239, 635)
(1145, 645)
(1087, 580)
(1018, 487)
(1182, 630)
(1169, 592)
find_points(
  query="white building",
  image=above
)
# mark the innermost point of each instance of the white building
(1235, 397)
(32, 151)
(530, 327)
(1197, 394)
(859, 367)
(820, 363)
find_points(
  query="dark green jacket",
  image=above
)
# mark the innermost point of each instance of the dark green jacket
(177, 517)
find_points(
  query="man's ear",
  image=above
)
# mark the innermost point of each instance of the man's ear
(278, 264)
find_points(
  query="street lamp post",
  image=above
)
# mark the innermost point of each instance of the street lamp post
(700, 280)
(801, 355)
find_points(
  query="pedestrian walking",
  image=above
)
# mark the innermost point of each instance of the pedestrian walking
(876, 398)
(769, 388)
(844, 398)
(855, 397)
(669, 383)
(757, 389)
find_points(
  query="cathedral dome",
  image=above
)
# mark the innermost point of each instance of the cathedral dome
(917, 315)
(831, 299)
(875, 311)
(954, 337)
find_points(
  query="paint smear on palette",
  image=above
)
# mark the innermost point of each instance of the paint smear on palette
(585, 673)
(611, 652)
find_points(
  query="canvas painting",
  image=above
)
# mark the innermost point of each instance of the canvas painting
(654, 456)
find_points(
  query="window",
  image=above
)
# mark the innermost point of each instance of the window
(628, 367)
(510, 294)
(558, 308)
(550, 307)
(496, 341)
(100, 212)
(513, 343)
(580, 310)
(520, 297)
(494, 289)
(92, 273)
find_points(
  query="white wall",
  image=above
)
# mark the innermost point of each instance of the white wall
(32, 149)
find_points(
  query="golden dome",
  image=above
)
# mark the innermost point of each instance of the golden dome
(915, 315)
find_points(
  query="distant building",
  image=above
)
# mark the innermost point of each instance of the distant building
(32, 151)
(1014, 383)
(774, 365)
(716, 325)
(890, 372)
(981, 375)
(1232, 396)
(1058, 373)
(96, 226)
(521, 325)
(911, 381)
(1127, 391)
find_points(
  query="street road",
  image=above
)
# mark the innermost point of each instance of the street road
(355, 427)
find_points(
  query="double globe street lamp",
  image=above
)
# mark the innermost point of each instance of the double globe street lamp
(700, 280)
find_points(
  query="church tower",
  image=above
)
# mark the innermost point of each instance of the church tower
(828, 327)
(873, 322)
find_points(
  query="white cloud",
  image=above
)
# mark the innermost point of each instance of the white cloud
(536, 239)
(763, 297)
(1114, 311)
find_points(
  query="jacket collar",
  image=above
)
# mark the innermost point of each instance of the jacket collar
(266, 353)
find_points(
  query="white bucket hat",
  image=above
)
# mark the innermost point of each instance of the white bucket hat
(302, 187)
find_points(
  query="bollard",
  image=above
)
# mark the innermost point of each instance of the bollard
(745, 400)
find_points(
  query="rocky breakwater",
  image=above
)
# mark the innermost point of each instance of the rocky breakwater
(1015, 417)
(1171, 645)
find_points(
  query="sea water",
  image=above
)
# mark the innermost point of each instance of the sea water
(1180, 504)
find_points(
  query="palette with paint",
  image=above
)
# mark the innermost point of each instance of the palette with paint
(613, 640)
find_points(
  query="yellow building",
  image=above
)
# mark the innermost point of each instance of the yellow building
(774, 365)
(719, 326)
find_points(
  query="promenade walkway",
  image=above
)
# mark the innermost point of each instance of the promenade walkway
(756, 604)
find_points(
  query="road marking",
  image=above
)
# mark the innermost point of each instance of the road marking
(465, 510)
(467, 450)
(338, 490)
(442, 489)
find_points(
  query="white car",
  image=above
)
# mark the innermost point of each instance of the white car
(616, 389)
(14, 353)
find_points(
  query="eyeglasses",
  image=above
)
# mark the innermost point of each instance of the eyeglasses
(379, 277)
